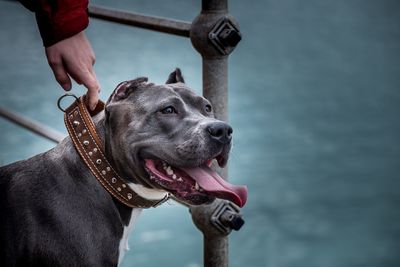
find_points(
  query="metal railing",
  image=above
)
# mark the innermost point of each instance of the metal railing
(170, 26)
(32, 126)
(214, 34)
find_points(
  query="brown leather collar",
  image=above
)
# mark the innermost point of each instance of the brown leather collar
(83, 134)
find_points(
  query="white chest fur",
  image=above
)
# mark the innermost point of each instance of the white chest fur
(124, 243)
(145, 193)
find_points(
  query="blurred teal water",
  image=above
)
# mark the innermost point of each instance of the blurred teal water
(314, 102)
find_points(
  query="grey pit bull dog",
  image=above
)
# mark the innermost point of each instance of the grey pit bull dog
(160, 138)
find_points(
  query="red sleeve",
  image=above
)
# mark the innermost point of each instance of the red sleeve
(60, 19)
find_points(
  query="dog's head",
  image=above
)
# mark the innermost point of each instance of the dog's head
(166, 137)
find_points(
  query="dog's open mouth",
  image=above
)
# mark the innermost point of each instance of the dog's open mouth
(197, 185)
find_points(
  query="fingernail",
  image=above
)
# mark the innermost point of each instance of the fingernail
(66, 86)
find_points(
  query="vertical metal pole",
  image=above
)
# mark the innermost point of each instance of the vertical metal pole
(215, 89)
(215, 85)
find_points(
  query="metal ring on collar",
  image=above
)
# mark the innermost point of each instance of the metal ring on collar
(62, 97)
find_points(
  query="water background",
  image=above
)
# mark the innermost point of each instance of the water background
(314, 103)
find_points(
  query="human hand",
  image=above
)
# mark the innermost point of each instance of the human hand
(74, 57)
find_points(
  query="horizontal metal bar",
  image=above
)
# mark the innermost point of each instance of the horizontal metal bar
(33, 126)
(170, 26)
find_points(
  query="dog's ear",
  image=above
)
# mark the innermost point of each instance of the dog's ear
(175, 77)
(123, 89)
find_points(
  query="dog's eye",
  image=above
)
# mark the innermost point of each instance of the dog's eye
(208, 108)
(168, 110)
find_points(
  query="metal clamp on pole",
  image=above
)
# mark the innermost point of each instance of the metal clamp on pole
(225, 36)
(227, 217)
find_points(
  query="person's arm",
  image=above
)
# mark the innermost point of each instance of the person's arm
(69, 53)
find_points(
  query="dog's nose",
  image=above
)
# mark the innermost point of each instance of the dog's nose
(220, 132)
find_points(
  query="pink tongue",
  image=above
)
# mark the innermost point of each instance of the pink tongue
(211, 182)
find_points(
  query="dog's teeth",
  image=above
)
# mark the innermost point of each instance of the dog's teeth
(180, 179)
(164, 164)
(169, 170)
(197, 186)
(174, 176)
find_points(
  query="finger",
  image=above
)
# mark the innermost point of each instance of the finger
(92, 99)
(95, 79)
(61, 75)
(91, 83)
(83, 75)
